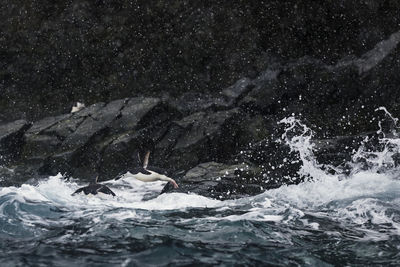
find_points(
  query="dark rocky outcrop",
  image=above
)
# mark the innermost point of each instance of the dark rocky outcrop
(11, 140)
(221, 181)
(74, 143)
(222, 143)
(197, 138)
(54, 54)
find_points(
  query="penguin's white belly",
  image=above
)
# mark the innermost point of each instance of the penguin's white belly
(153, 176)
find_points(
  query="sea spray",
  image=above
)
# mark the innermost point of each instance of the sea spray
(367, 198)
(338, 219)
(299, 138)
(379, 153)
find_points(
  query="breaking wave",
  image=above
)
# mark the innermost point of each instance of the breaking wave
(350, 216)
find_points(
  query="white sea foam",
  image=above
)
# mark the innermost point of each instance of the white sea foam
(57, 191)
(255, 215)
(312, 195)
(360, 199)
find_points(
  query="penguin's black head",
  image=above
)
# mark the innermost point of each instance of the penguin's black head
(143, 146)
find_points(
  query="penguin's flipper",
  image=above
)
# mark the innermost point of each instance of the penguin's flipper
(78, 191)
(104, 189)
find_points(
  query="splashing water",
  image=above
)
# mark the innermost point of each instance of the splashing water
(330, 219)
(299, 138)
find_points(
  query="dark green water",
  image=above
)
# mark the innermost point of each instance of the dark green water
(336, 220)
(331, 222)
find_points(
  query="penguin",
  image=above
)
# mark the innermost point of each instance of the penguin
(144, 174)
(94, 188)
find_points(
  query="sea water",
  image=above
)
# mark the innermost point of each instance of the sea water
(345, 218)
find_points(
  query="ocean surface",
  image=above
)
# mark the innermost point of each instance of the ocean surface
(347, 218)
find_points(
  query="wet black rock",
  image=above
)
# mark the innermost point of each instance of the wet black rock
(74, 143)
(199, 137)
(338, 151)
(201, 134)
(220, 181)
(189, 103)
(11, 140)
(53, 55)
(340, 99)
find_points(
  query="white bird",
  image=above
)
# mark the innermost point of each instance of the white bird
(78, 106)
